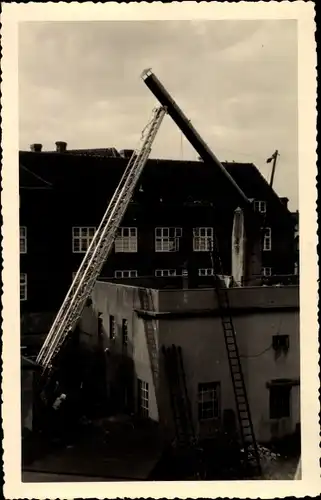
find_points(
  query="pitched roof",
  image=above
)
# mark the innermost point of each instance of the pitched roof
(90, 170)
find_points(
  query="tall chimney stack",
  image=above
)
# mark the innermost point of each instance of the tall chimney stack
(61, 146)
(36, 148)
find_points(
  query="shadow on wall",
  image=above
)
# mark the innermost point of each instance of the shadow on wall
(112, 375)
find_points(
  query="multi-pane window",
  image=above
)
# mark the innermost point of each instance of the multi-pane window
(267, 271)
(143, 398)
(23, 286)
(260, 206)
(126, 274)
(208, 400)
(280, 401)
(167, 239)
(81, 238)
(209, 271)
(125, 332)
(267, 239)
(23, 239)
(126, 240)
(202, 239)
(112, 327)
(165, 272)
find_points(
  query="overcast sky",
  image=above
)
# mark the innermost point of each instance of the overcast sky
(236, 80)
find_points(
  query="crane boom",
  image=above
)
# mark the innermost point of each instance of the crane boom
(241, 399)
(191, 134)
(99, 248)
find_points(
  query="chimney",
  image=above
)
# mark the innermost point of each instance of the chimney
(61, 146)
(36, 148)
(284, 201)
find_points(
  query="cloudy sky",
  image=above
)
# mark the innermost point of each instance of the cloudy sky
(236, 80)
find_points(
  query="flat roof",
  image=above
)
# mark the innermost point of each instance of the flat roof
(177, 283)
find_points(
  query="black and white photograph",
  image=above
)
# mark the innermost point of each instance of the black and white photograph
(159, 210)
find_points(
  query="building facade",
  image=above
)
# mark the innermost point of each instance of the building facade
(167, 230)
(266, 320)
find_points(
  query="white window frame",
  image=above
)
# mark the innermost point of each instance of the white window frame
(267, 239)
(126, 273)
(23, 287)
(267, 271)
(165, 273)
(126, 240)
(259, 206)
(202, 239)
(143, 395)
(23, 239)
(167, 239)
(208, 271)
(208, 395)
(81, 234)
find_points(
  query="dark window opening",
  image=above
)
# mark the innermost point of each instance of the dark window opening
(281, 343)
(280, 401)
(112, 327)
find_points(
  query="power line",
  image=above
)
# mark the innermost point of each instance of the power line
(257, 355)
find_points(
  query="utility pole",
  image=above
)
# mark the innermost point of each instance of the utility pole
(274, 158)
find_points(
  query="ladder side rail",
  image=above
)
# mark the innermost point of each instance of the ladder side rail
(159, 112)
(243, 388)
(226, 317)
(187, 399)
(151, 344)
(139, 163)
(181, 400)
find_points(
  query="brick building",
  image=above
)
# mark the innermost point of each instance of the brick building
(168, 226)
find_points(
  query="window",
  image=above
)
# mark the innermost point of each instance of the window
(266, 271)
(23, 239)
(126, 274)
(206, 272)
(125, 332)
(280, 401)
(267, 243)
(167, 239)
(143, 398)
(112, 327)
(281, 343)
(81, 238)
(260, 206)
(23, 286)
(165, 272)
(126, 240)
(203, 239)
(208, 400)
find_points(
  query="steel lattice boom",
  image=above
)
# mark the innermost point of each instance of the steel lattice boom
(99, 248)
